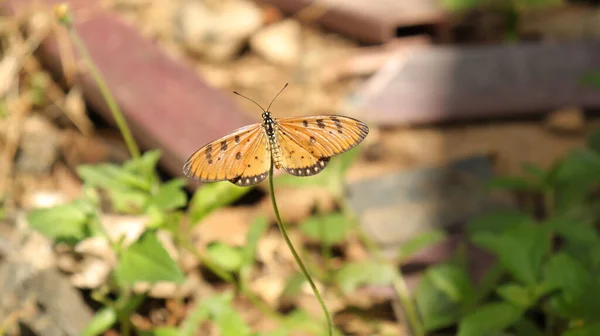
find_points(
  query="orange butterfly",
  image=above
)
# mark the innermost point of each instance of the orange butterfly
(302, 146)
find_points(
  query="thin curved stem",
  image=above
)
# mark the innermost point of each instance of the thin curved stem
(64, 17)
(295, 254)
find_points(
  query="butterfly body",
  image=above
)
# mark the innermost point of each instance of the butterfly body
(302, 146)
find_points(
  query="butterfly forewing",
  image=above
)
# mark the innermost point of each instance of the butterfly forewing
(255, 162)
(228, 158)
(323, 136)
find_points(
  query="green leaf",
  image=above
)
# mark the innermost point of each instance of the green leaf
(105, 318)
(453, 281)
(147, 260)
(170, 195)
(129, 201)
(520, 250)
(257, 230)
(231, 323)
(293, 285)
(161, 331)
(525, 327)
(593, 140)
(145, 165)
(516, 294)
(212, 196)
(300, 320)
(329, 229)
(219, 308)
(195, 317)
(67, 221)
(591, 329)
(227, 257)
(110, 176)
(579, 289)
(419, 243)
(499, 221)
(435, 307)
(576, 175)
(573, 230)
(353, 275)
(565, 273)
(511, 183)
(489, 319)
(592, 78)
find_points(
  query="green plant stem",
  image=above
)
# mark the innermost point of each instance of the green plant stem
(398, 282)
(110, 101)
(295, 254)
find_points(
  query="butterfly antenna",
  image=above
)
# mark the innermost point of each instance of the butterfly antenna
(241, 95)
(286, 84)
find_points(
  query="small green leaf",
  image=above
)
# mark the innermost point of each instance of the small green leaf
(511, 183)
(101, 322)
(453, 281)
(129, 201)
(147, 260)
(328, 229)
(231, 323)
(67, 221)
(110, 176)
(160, 331)
(145, 165)
(517, 295)
(592, 78)
(435, 307)
(212, 196)
(170, 195)
(419, 243)
(353, 275)
(565, 273)
(591, 329)
(525, 327)
(227, 257)
(499, 221)
(573, 230)
(198, 314)
(220, 310)
(593, 140)
(520, 250)
(293, 285)
(257, 229)
(490, 319)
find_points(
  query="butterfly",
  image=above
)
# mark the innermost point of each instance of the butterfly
(302, 146)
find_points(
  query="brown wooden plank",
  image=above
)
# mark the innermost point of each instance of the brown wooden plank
(373, 21)
(167, 105)
(447, 83)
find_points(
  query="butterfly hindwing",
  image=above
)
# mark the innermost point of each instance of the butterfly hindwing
(225, 158)
(297, 160)
(323, 136)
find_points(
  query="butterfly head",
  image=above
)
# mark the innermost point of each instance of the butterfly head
(266, 115)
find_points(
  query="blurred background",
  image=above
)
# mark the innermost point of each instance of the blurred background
(471, 208)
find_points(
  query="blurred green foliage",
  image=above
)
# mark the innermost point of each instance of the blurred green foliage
(546, 267)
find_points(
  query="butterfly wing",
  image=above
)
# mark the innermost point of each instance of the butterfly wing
(307, 143)
(240, 157)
